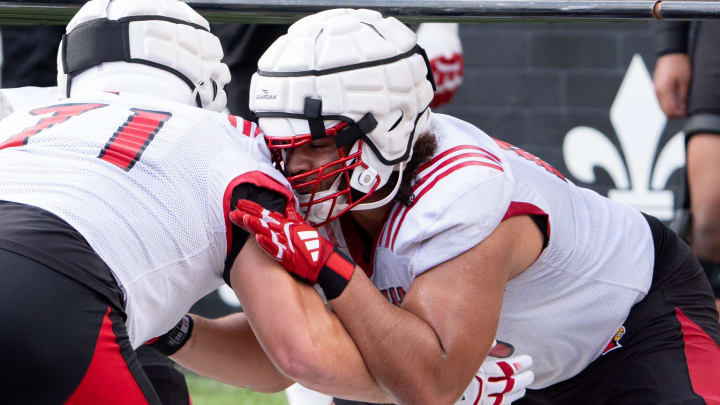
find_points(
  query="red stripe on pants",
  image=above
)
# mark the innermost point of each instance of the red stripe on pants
(703, 359)
(108, 380)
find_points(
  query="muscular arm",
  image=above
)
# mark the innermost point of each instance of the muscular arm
(303, 339)
(286, 332)
(427, 351)
(226, 350)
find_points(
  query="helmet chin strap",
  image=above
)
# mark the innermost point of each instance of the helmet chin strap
(384, 200)
(420, 127)
(423, 123)
(194, 99)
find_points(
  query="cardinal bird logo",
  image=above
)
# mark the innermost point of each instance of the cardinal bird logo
(615, 341)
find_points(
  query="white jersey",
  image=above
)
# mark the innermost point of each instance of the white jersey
(147, 182)
(565, 308)
(23, 98)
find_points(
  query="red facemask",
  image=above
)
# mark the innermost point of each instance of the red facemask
(321, 206)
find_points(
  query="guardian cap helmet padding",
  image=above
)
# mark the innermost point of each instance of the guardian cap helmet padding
(162, 34)
(352, 75)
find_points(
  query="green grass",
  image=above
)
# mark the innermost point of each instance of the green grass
(204, 391)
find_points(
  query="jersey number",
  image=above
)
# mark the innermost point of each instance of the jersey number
(529, 156)
(130, 140)
(125, 146)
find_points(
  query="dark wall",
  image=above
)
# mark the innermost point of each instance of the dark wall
(530, 83)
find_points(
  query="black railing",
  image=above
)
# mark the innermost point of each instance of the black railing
(285, 11)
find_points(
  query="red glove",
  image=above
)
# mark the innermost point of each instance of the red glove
(441, 42)
(298, 246)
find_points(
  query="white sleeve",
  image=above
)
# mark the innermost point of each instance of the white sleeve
(459, 223)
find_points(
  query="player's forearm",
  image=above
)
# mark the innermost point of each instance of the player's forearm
(402, 351)
(226, 350)
(302, 337)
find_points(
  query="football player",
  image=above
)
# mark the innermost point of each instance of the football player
(114, 207)
(203, 345)
(436, 237)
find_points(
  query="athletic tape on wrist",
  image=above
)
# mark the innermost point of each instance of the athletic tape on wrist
(335, 274)
(169, 343)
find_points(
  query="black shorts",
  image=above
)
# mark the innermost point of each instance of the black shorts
(44, 237)
(670, 350)
(704, 96)
(167, 381)
(63, 342)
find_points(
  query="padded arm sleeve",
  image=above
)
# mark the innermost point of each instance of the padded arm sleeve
(267, 198)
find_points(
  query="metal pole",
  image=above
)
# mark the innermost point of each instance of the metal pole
(436, 10)
(684, 10)
(286, 11)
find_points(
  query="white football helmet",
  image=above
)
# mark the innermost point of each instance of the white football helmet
(143, 46)
(357, 77)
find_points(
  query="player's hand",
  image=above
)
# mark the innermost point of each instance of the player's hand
(500, 380)
(441, 42)
(297, 245)
(672, 80)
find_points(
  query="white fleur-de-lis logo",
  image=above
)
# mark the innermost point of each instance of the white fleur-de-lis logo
(638, 122)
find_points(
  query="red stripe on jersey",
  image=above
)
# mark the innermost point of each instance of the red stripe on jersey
(247, 128)
(233, 120)
(444, 164)
(430, 186)
(388, 229)
(451, 161)
(703, 359)
(257, 132)
(60, 114)
(523, 208)
(108, 379)
(259, 179)
(529, 157)
(130, 140)
(437, 158)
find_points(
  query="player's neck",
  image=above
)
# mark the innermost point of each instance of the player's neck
(371, 220)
